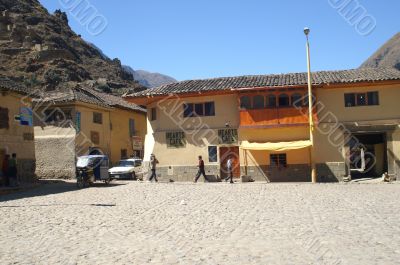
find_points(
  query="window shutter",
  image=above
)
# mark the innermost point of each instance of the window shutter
(4, 120)
(132, 131)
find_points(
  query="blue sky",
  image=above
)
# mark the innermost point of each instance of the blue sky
(190, 39)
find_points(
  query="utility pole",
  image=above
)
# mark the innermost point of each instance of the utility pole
(310, 111)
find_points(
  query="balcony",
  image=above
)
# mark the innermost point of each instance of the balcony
(275, 117)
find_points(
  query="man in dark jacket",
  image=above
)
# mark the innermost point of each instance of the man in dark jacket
(201, 170)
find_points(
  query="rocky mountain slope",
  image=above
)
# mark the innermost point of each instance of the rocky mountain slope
(387, 56)
(148, 79)
(41, 50)
(144, 78)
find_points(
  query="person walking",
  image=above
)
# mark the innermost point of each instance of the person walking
(201, 170)
(6, 170)
(153, 165)
(13, 172)
(229, 167)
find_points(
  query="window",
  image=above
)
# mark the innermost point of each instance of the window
(284, 100)
(212, 154)
(349, 100)
(297, 100)
(153, 114)
(199, 109)
(373, 98)
(245, 102)
(132, 131)
(278, 160)
(4, 122)
(271, 101)
(78, 121)
(361, 99)
(188, 110)
(258, 102)
(95, 137)
(124, 154)
(209, 109)
(97, 118)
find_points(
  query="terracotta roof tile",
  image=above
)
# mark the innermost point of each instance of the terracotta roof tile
(275, 80)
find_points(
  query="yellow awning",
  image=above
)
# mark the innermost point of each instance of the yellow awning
(276, 147)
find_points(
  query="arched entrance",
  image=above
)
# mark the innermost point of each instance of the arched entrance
(95, 151)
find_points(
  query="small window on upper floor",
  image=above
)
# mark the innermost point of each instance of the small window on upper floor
(245, 102)
(373, 98)
(199, 109)
(349, 100)
(271, 101)
(258, 102)
(4, 119)
(188, 110)
(284, 100)
(97, 118)
(209, 109)
(153, 114)
(361, 99)
(132, 129)
(297, 100)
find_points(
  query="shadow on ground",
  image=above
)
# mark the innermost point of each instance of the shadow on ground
(46, 187)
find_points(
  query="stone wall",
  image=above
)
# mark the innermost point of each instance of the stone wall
(48, 55)
(291, 173)
(331, 172)
(327, 172)
(26, 170)
(55, 156)
(184, 173)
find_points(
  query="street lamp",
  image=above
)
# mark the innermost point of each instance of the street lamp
(310, 110)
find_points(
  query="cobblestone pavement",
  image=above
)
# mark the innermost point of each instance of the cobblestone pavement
(140, 223)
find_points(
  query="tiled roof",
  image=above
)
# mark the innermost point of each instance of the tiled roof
(8, 84)
(275, 80)
(90, 96)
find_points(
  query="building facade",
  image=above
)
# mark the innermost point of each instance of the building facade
(84, 121)
(262, 123)
(16, 128)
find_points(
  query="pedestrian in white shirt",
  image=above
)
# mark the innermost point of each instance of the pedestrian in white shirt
(229, 167)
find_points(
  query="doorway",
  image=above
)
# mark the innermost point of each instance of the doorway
(375, 155)
(224, 154)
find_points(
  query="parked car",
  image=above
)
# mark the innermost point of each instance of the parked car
(128, 169)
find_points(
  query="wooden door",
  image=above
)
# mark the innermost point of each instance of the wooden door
(224, 154)
(2, 155)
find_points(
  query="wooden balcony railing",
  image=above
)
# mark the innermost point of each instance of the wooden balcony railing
(275, 116)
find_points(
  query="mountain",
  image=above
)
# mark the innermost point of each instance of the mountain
(148, 79)
(387, 56)
(41, 50)
(144, 78)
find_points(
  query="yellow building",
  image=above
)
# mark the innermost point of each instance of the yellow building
(263, 123)
(16, 128)
(83, 121)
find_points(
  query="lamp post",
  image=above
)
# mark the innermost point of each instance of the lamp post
(310, 111)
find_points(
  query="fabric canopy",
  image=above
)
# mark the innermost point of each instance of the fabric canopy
(277, 147)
